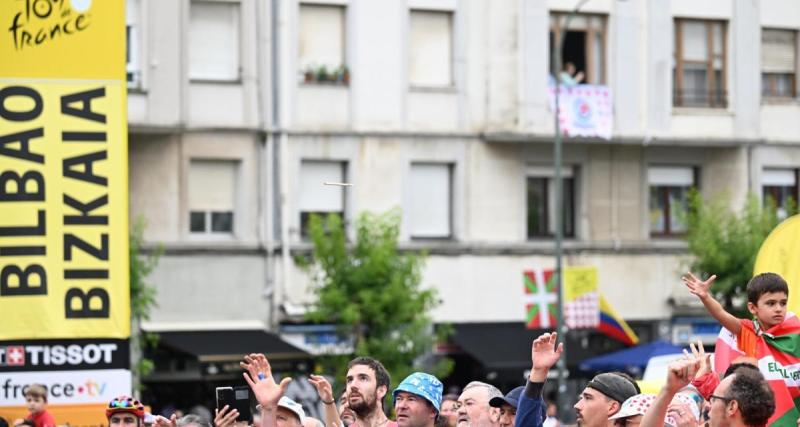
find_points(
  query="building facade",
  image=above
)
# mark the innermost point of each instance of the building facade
(239, 110)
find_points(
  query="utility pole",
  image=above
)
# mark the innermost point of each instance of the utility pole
(560, 326)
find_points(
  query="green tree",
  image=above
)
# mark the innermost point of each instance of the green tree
(726, 243)
(372, 291)
(143, 299)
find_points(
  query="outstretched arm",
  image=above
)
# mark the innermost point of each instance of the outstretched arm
(679, 374)
(700, 289)
(325, 392)
(544, 355)
(259, 377)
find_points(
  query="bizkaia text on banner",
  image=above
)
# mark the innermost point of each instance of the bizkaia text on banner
(63, 231)
(59, 355)
(63, 171)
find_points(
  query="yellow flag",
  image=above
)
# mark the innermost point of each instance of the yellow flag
(579, 281)
(779, 254)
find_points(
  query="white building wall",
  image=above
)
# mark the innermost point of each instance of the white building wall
(379, 125)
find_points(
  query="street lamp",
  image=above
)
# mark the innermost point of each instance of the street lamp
(560, 326)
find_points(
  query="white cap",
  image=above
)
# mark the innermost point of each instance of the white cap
(293, 406)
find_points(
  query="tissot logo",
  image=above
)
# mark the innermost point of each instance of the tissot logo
(63, 354)
(15, 356)
(59, 355)
(42, 21)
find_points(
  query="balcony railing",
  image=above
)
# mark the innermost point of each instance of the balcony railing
(700, 98)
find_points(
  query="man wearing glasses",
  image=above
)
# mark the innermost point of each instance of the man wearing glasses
(743, 398)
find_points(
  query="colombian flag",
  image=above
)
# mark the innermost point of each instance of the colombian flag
(614, 326)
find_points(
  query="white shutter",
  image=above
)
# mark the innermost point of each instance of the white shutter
(694, 40)
(214, 41)
(778, 51)
(212, 185)
(429, 208)
(430, 44)
(778, 178)
(670, 176)
(548, 171)
(314, 195)
(321, 36)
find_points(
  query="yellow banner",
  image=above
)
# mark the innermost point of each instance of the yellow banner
(63, 170)
(63, 211)
(64, 39)
(579, 281)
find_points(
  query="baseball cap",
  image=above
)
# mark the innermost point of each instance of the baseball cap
(614, 386)
(293, 406)
(512, 398)
(425, 385)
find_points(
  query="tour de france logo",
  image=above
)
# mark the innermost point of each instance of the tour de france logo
(38, 22)
(582, 111)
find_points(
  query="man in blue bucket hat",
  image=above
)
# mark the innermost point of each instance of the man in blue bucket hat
(417, 400)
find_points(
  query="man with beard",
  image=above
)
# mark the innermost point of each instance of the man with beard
(367, 385)
(474, 409)
(417, 400)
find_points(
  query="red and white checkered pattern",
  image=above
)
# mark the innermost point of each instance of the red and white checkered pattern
(583, 311)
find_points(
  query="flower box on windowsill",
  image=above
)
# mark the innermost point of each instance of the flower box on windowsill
(339, 76)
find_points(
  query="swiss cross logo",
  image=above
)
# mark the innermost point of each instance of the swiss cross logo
(15, 356)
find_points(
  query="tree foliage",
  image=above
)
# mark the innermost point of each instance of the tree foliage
(143, 299)
(372, 291)
(726, 243)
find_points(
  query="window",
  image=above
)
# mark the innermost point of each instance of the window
(430, 206)
(322, 44)
(430, 49)
(778, 63)
(584, 46)
(214, 41)
(700, 64)
(212, 186)
(669, 192)
(779, 186)
(317, 198)
(541, 203)
(132, 68)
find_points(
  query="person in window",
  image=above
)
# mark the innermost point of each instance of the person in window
(571, 76)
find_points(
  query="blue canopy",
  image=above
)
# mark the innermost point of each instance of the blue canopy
(632, 359)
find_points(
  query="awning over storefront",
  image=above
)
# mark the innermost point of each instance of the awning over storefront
(496, 345)
(230, 345)
(507, 345)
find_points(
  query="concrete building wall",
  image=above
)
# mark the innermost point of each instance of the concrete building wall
(493, 124)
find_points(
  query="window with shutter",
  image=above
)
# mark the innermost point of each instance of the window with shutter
(778, 63)
(214, 41)
(430, 48)
(321, 44)
(699, 76)
(430, 207)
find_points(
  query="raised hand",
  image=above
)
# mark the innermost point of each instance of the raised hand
(259, 376)
(681, 415)
(697, 286)
(544, 354)
(161, 421)
(680, 373)
(324, 388)
(225, 417)
(699, 353)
